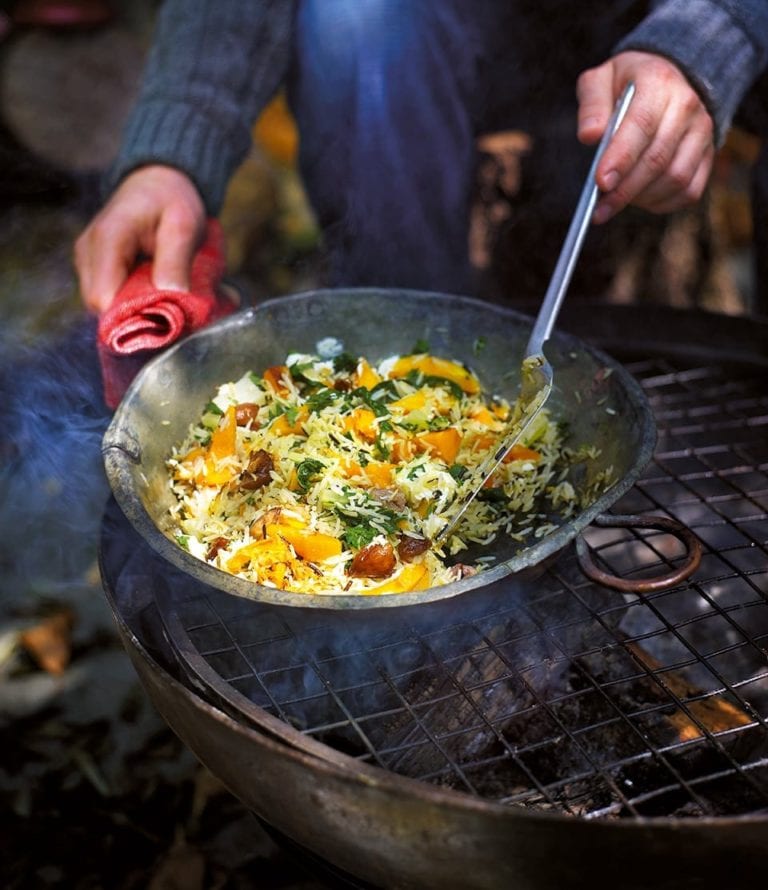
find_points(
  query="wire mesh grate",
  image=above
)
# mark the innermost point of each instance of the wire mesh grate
(559, 694)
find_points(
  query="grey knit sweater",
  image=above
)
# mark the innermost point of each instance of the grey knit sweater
(216, 63)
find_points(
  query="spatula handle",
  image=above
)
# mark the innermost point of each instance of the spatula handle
(582, 217)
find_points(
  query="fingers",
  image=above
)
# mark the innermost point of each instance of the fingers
(156, 211)
(177, 238)
(595, 94)
(661, 156)
(681, 183)
(104, 254)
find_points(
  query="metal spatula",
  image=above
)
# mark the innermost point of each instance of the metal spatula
(536, 372)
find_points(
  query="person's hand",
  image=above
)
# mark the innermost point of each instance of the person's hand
(156, 211)
(662, 154)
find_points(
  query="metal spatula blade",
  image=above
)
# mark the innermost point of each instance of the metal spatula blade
(536, 372)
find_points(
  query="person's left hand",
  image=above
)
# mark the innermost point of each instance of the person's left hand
(662, 154)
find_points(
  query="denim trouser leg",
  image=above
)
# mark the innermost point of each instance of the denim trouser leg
(382, 91)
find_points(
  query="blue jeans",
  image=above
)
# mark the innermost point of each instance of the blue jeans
(389, 96)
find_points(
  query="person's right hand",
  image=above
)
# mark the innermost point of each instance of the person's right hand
(156, 211)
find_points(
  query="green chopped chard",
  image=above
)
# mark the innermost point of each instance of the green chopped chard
(183, 541)
(256, 380)
(458, 471)
(345, 362)
(386, 391)
(356, 507)
(374, 399)
(381, 451)
(495, 495)
(298, 372)
(358, 536)
(307, 471)
(439, 423)
(420, 347)
(211, 416)
(419, 378)
(322, 398)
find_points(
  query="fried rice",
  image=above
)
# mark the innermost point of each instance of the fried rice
(331, 475)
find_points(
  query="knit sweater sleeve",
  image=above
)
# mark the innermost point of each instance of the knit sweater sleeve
(720, 45)
(213, 66)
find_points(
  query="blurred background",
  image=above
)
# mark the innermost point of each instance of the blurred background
(95, 791)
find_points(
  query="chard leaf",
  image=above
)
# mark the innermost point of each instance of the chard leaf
(345, 361)
(322, 398)
(358, 536)
(306, 472)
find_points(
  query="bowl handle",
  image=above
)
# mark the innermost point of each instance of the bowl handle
(641, 585)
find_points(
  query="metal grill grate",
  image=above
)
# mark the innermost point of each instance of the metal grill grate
(557, 694)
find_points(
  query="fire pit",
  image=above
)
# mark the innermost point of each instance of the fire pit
(529, 730)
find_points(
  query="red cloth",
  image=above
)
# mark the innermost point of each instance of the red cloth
(143, 320)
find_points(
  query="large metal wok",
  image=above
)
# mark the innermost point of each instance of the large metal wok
(601, 404)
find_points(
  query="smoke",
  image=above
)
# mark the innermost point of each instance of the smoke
(52, 485)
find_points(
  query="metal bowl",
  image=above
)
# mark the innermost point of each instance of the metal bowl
(594, 395)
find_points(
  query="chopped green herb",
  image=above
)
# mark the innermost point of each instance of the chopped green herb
(345, 361)
(418, 379)
(363, 396)
(358, 536)
(297, 371)
(307, 471)
(495, 495)
(322, 398)
(381, 450)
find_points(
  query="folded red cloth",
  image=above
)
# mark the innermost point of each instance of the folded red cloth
(143, 319)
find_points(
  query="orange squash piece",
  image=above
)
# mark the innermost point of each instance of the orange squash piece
(433, 366)
(273, 377)
(281, 426)
(413, 402)
(380, 474)
(445, 442)
(224, 436)
(365, 375)
(312, 546)
(362, 422)
(521, 452)
(414, 576)
(484, 416)
(350, 467)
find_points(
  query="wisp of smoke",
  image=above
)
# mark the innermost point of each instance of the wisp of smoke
(52, 485)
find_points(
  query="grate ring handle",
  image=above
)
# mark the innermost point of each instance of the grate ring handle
(664, 581)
